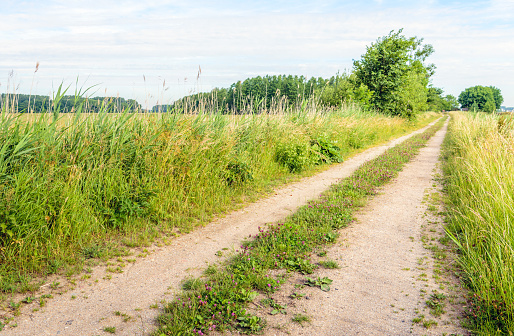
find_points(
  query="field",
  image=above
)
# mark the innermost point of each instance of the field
(79, 187)
(479, 173)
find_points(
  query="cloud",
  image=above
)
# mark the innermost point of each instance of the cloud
(116, 43)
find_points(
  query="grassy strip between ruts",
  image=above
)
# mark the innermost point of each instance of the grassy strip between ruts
(217, 301)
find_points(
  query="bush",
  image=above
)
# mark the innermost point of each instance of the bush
(326, 149)
(295, 156)
(238, 173)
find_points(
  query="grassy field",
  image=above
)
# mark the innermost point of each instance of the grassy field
(84, 186)
(479, 173)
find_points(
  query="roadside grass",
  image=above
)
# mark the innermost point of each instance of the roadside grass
(263, 263)
(479, 181)
(77, 189)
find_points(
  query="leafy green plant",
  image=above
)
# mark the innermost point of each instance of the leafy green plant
(238, 173)
(295, 156)
(250, 324)
(328, 150)
(297, 295)
(322, 283)
(277, 308)
(28, 299)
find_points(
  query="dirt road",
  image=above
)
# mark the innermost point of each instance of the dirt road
(386, 275)
(370, 282)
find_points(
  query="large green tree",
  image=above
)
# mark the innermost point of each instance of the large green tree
(393, 69)
(481, 98)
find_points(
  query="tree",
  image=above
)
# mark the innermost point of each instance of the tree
(451, 103)
(437, 102)
(393, 69)
(342, 89)
(498, 98)
(481, 98)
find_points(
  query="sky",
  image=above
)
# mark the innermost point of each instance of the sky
(156, 51)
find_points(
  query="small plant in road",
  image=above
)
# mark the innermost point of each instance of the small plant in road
(300, 318)
(322, 283)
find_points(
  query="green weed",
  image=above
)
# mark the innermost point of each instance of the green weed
(111, 330)
(329, 264)
(301, 318)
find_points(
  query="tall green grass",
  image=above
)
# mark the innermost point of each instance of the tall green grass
(80, 186)
(480, 183)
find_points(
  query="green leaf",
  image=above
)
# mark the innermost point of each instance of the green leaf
(325, 287)
(252, 296)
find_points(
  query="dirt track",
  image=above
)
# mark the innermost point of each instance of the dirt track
(386, 273)
(371, 280)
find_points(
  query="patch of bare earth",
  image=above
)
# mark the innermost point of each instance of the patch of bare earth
(371, 293)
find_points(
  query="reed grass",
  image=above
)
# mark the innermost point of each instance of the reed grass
(480, 183)
(80, 186)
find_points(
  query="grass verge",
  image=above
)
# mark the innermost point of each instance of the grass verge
(479, 181)
(219, 299)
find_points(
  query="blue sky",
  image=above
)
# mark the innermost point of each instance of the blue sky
(151, 50)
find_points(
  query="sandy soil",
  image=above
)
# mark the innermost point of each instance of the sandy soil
(366, 290)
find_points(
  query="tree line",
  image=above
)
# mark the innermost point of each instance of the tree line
(23, 103)
(392, 77)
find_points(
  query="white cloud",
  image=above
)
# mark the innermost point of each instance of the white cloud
(116, 44)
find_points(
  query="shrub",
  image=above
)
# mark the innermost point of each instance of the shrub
(295, 156)
(238, 173)
(327, 149)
